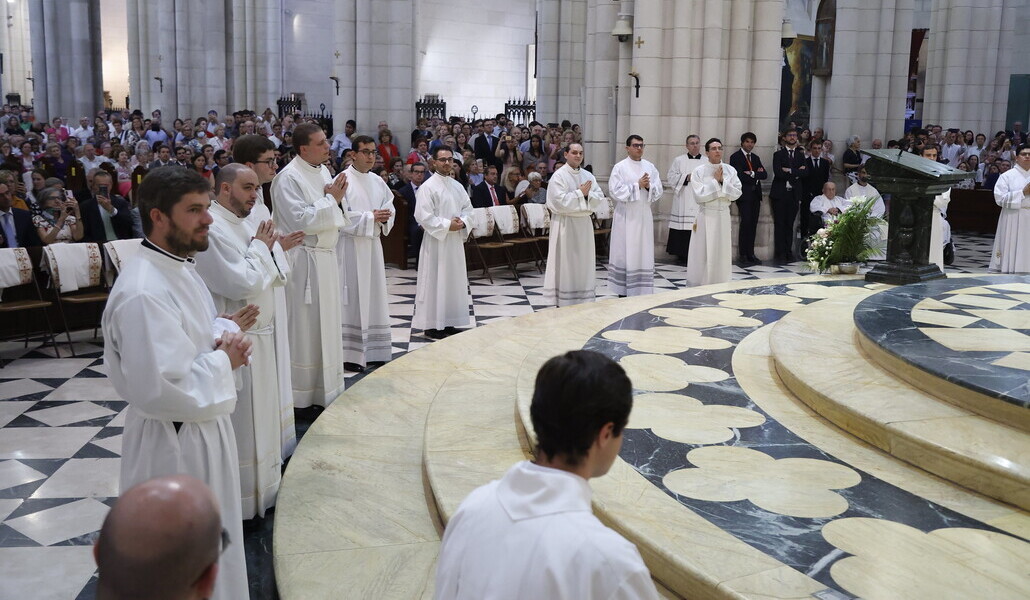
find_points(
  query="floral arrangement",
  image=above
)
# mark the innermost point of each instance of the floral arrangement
(849, 238)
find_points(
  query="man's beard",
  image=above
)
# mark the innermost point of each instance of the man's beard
(182, 243)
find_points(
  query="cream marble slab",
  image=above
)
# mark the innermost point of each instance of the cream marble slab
(43, 442)
(11, 409)
(45, 367)
(996, 302)
(67, 414)
(61, 523)
(82, 478)
(402, 571)
(972, 340)
(89, 388)
(56, 573)
(942, 319)
(1016, 360)
(1012, 319)
(8, 506)
(14, 473)
(19, 387)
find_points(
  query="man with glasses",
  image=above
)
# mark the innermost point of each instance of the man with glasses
(1012, 193)
(16, 229)
(417, 176)
(634, 185)
(788, 190)
(366, 310)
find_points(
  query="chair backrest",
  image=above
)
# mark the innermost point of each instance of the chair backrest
(15, 267)
(606, 210)
(73, 266)
(120, 252)
(506, 219)
(482, 223)
(536, 217)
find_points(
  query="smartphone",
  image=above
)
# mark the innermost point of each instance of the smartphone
(104, 191)
(69, 194)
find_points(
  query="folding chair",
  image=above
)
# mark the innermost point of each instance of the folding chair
(18, 278)
(536, 225)
(482, 228)
(507, 228)
(118, 253)
(76, 278)
(602, 218)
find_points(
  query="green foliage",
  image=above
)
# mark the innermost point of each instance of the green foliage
(849, 238)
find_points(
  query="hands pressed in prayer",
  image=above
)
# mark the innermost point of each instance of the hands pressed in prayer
(245, 317)
(266, 233)
(1026, 190)
(338, 188)
(457, 224)
(645, 181)
(290, 240)
(585, 188)
(718, 173)
(237, 346)
(381, 216)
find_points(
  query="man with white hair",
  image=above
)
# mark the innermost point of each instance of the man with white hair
(829, 203)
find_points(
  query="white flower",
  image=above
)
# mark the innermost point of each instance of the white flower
(822, 233)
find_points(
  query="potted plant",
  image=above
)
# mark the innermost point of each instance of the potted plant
(848, 240)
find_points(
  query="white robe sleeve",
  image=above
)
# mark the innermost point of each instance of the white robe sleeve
(465, 213)
(237, 277)
(297, 215)
(820, 204)
(387, 204)
(427, 213)
(362, 224)
(621, 189)
(1008, 196)
(161, 373)
(656, 190)
(706, 188)
(563, 196)
(637, 586)
(677, 179)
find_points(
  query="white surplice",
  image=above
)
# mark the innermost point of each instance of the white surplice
(940, 229)
(631, 249)
(710, 258)
(283, 260)
(442, 294)
(685, 208)
(854, 190)
(571, 260)
(159, 330)
(1012, 241)
(313, 289)
(239, 270)
(365, 308)
(823, 204)
(531, 534)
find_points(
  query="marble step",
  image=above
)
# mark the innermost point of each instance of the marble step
(818, 357)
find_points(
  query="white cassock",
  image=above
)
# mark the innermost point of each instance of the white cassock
(239, 270)
(313, 289)
(940, 229)
(571, 260)
(283, 260)
(1012, 241)
(685, 208)
(879, 210)
(823, 204)
(160, 328)
(359, 253)
(531, 534)
(631, 250)
(710, 259)
(442, 293)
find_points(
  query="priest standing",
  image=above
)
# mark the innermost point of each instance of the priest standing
(306, 198)
(366, 311)
(684, 206)
(444, 211)
(171, 358)
(1012, 193)
(239, 269)
(634, 185)
(715, 185)
(572, 196)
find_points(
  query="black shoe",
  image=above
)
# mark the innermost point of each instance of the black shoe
(949, 253)
(451, 330)
(435, 334)
(353, 367)
(754, 260)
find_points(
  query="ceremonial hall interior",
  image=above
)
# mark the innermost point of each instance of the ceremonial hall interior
(796, 432)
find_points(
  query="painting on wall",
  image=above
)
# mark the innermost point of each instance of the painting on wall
(796, 86)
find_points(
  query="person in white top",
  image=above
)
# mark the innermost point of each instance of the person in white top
(684, 206)
(829, 203)
(171, 358)
(862, 187)
(532, 533)
(1012, 193)
(715, 185)
(634, 184)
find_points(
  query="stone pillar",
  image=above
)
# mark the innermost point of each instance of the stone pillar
(254, 34)
(67, 66)
(602, 108)
(17, 49)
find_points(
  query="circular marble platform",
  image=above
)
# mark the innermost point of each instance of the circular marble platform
(730, 486)
(968, 340)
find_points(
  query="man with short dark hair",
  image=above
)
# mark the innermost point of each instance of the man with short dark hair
(788, 190)
(532, 533)
(634, 184)
(106, 216)
(751, 173)
(417, 176)
(1012, 194)
(171, 358)
(715, 185)
(488, 193)
(16, 228)
(164, 157)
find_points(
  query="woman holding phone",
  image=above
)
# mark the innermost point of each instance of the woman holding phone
(59, 221)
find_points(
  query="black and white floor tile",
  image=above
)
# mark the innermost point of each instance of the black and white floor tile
(61, 425)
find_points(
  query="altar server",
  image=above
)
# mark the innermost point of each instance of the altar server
(1012, 193)
(684, 206)
(572, 196)
(172, 359)
(634, 185)
(715, 185)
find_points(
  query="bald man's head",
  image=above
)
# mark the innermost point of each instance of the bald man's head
(160, 541)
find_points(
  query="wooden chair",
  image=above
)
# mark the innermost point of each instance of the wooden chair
(116, 254)
(137, 178)
(483, 228)
(76, 179)
(603, 225)
(80, 266)
(17, 283)
(395, 245)
(507, 228)
(536, 225)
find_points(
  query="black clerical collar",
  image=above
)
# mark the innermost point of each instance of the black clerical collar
(689, 155)
(148, 244)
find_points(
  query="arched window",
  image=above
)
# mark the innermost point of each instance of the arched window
(825, 28)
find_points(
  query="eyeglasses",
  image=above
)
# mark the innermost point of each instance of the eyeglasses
(419, 172)
(636, 145)
(1024, 155)
(270, 162)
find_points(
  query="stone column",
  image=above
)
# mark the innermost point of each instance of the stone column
(602, 108)
(254, 33)
(67, 67)
(14, 39)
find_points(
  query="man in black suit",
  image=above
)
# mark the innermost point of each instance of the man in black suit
(486, 144)
(818, 174)
(488, 193)
(105, 215)
(788, 190)
(16, 228)
(752, 173)
(418, 175)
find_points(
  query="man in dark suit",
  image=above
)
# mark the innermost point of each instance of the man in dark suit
(1017, 135)
(752, 173)
(486, 144)
(818, 174)
(16, 228)
(788, 190)
(418, 175)
(105, 215)
(488, 193)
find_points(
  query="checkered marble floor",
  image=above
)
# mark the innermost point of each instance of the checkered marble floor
(61, 425)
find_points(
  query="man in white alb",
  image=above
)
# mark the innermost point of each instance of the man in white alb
(715, 185)
(634, 185)
(239, 269)
(171, 358)
(532, 534)
(863, 188)
(684, 206)
(366, 311)
(1012, 193)
(829, 203)
(572, 196)
(306, 198)
(444, 210)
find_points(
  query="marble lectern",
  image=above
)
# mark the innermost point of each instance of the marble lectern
(913, 182)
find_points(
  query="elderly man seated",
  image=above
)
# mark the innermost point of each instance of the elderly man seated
(829, 204)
